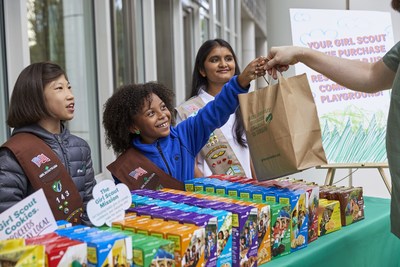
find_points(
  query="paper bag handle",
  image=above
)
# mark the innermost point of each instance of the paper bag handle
(268, 81)
(265, 79)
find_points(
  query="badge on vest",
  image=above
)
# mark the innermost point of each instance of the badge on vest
(45, 171)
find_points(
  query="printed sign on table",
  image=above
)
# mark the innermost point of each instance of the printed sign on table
(109, 203)
(30, 217)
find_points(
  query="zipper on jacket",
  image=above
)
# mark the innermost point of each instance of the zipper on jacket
(63, 153)
(162, 156)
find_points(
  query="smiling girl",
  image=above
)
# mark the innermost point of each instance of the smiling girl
(138, 116)
(226, 151)
(42, 153)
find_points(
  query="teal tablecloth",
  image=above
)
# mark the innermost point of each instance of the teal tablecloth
(366, 243)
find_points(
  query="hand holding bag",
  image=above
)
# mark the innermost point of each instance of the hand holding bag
(282, 128)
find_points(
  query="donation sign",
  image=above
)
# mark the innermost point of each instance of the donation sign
(353, 124)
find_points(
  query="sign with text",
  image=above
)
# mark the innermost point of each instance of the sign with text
(28, 218)
(109, 203)
(353, 123)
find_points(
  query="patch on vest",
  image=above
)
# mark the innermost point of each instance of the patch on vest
(47, 169)
(191, 107)
(213, 154)
(57, 186)
(137, 173)
(40, 159)
(212, 140)
(233, 169)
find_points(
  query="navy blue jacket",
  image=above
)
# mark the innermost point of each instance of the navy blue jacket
(74, 153)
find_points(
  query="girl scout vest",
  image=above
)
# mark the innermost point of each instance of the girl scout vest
(217, 152)
(45, 170)
(137, 172)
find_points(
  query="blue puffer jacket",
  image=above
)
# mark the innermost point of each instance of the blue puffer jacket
(175, 154)
(74, 153)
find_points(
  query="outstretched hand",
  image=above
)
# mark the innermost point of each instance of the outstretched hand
(279, 59)
(253, 70)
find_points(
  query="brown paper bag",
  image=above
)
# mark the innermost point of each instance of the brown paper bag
(282, 128)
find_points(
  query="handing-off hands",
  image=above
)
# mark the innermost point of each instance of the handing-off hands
(252, 71)
(279, 59)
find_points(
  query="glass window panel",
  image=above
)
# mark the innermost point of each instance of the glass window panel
(45, 31)
(235, 44)
(121, 69)
(236, 21)
(164, 42)
(139, 41)
(204, 24)
(228, 14)
(189, 49)
(218, 31)
(205, 3)
(217, 10)
(3, 82)
(128, 42)
(62, 31)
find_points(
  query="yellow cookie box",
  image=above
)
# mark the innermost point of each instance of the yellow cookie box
(329, 219)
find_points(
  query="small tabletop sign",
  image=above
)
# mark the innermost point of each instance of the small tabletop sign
(109, 203)
(30, 217)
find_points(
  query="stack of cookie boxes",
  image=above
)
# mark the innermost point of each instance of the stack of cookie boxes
(259, 225)
(253, 240)
(289, 208)
(302, 197)
(341, 206)
(103, 248)
(147, 250)
(212, 247)
(278, 214)
(327, 208)
(222, 241)
(45, 250)
(86, 246)
(186, 229)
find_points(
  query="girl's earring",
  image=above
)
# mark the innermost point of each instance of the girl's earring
(137, 132)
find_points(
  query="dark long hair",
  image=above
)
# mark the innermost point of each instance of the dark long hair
(396, 5)
(27, 104)
(198, 81)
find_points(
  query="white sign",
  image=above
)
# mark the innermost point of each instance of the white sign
(353, 124)
(28, 218)
(109, 203)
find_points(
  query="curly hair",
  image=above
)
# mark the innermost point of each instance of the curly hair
(123, 105)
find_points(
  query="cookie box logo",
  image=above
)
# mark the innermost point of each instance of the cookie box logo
(40, 159)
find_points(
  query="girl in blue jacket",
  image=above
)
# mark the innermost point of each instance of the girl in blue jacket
(139, 116)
